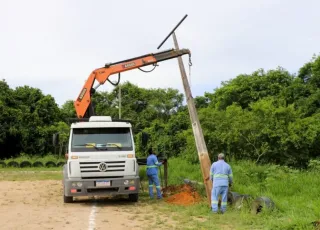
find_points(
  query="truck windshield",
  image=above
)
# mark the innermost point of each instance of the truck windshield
(101, 139)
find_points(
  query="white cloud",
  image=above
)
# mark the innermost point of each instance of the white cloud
(54, 45)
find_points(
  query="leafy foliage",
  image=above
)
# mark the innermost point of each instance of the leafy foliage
(266, 116)
(26, 116)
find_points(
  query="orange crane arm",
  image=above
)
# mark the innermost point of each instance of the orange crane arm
(83, 104)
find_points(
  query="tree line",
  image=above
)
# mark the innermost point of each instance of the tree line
(266, 116)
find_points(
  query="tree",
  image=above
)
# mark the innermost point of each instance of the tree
(68, 110)
(245, 89)
(266, 116)
(26, 116)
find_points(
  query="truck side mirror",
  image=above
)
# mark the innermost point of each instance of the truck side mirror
(144, 139)
(55, 139)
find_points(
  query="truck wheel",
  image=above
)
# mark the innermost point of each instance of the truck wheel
(134, 197)
(67, 199)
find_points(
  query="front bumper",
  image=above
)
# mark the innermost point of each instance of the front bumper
(118, 186)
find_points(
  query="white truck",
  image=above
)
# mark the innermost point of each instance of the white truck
(101, 160)
(101, 152)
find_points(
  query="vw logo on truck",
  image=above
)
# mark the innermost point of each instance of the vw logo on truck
(103, 167)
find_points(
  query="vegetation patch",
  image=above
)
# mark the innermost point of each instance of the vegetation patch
(13, 163)
(37, 164)
(24, 161)
(287, 189)
(50, 164)
(25, 164)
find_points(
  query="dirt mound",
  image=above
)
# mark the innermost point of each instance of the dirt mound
(172, 189)
(181, 195)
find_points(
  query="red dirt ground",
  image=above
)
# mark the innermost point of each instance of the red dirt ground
(181, 195)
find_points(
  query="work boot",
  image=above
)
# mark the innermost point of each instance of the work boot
(214, 212)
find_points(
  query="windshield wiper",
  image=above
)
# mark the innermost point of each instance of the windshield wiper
(114, 144)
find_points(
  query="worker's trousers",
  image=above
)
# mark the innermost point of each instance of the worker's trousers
(216, 191)
(153, 179)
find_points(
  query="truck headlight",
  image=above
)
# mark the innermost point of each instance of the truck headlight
(76, 184)
(126, 182)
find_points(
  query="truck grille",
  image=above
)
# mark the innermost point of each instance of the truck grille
(105, 166)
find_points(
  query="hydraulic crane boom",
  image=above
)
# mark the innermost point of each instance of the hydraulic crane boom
(82, 104)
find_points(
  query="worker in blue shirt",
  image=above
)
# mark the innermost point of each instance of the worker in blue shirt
(152, 173)
(221, 176)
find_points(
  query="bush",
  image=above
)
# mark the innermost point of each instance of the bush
(60, 163)
(50, 164)
(38, 164)
(24, 160)
(142, 173)
(2, 164)
(25, 164)
(13, 164)
(314, 165)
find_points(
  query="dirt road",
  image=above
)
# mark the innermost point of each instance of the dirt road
(38, 205)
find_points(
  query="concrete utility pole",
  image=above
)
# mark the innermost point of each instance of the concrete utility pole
(204, 159)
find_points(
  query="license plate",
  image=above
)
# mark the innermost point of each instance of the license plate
(103, 183)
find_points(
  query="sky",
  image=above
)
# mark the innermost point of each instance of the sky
(55, 45)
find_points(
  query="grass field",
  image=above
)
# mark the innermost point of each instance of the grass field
(13, 174)
(295, 193)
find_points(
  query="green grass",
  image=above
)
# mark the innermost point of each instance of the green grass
(295, 193)
(41, 169)
(11, 174)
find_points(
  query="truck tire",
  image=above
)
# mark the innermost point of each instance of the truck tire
(67, 199)
(134, 197)
(261, 203)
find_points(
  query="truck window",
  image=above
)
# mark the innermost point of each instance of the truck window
(101, 139)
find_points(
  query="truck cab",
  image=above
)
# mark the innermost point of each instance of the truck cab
(101, 160)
